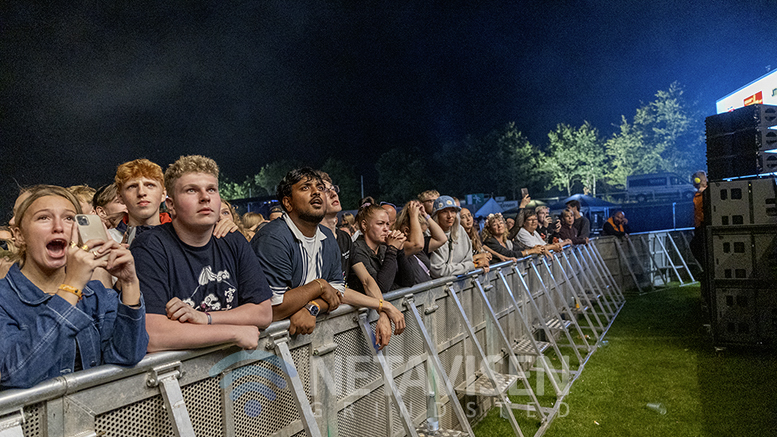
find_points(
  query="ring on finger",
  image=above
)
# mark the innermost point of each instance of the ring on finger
(94, 252)
(85, 247)
(73, 244)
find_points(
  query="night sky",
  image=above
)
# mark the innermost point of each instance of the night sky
(87, 85)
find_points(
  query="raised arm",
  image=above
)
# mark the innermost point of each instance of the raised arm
(438, 235)
(415, 238)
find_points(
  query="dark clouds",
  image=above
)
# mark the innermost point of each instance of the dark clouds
(88, 85)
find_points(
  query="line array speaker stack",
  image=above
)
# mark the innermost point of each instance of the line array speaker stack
(740, 215)
(739, 142)
(741, 260)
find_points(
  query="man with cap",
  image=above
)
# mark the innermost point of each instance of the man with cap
(455, 256)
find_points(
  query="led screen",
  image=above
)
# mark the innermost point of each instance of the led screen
(763, 91)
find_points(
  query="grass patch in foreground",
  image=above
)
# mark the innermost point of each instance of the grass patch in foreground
(659, 352)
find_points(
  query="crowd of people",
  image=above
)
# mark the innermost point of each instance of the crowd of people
(194, 273)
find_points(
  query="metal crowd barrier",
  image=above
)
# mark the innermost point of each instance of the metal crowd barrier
(649, 259)
(471, 343)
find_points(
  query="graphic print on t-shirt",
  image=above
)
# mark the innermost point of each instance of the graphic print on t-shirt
(213, 289)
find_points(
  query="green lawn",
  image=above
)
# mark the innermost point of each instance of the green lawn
(659, 352)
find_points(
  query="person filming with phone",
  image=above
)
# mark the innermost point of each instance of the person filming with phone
(54, 318)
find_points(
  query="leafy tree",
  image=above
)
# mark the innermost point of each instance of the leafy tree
(270, 174)
(344, 177)
(629, 154)
(501, 162)
(402, 174)
(513, 160)
(666, 135)
(232, 190)
(574, 154)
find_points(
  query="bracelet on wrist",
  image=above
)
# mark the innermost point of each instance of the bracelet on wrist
(210, 319)
(73, 290)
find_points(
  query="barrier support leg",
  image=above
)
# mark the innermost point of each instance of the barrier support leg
(280, 343)
(166, 378)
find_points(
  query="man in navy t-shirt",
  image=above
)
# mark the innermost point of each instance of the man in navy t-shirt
(302, 260)
(199, 290)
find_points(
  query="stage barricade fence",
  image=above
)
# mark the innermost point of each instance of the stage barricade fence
(228, 392)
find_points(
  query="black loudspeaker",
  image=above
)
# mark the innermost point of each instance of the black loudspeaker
(742, 142)
(749, 117)
(740, 266)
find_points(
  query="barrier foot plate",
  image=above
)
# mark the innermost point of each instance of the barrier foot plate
(524, 347)
(482, 386)
(558, 325)
(423, 431)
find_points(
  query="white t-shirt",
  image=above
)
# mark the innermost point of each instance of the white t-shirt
(530, 240)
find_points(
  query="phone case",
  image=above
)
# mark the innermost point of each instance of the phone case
(90, 227)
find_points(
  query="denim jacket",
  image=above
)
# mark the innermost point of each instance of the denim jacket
(39, 331)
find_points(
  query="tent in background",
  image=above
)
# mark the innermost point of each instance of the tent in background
(597, 210)
(587, 203)
(490, 207)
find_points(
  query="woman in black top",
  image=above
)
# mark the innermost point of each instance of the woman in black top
(495, 238)
(414, 265)
(377, 248)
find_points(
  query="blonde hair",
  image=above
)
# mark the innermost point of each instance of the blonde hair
(454, 230)
(349, 219)
(83, 193)
(428, 195)
(492, 218)
(136, 169)
(366, 213)
(37, 192)
(472, 233)
(403, 219)
(236, 219)
(189, 164)
(252, 218)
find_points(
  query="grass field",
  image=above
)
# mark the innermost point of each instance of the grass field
(659, 352)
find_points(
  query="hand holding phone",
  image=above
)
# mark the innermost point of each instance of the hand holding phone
(90, 227)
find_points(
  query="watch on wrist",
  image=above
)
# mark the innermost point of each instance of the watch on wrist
(313, 308)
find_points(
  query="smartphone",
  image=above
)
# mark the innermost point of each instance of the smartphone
(90, 227)
(524, 192)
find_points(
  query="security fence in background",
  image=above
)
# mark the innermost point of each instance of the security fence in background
(649, 259)
(521, 332)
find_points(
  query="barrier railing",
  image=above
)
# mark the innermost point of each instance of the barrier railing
(648, 259)
(468, 340)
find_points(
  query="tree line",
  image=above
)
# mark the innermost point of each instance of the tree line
(664, 135)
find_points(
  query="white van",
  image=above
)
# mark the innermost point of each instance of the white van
(658, 186)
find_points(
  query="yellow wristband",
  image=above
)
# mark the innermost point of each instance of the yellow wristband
(380, 305)
(69, 289)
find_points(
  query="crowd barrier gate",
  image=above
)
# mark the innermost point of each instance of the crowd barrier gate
(471, 342)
